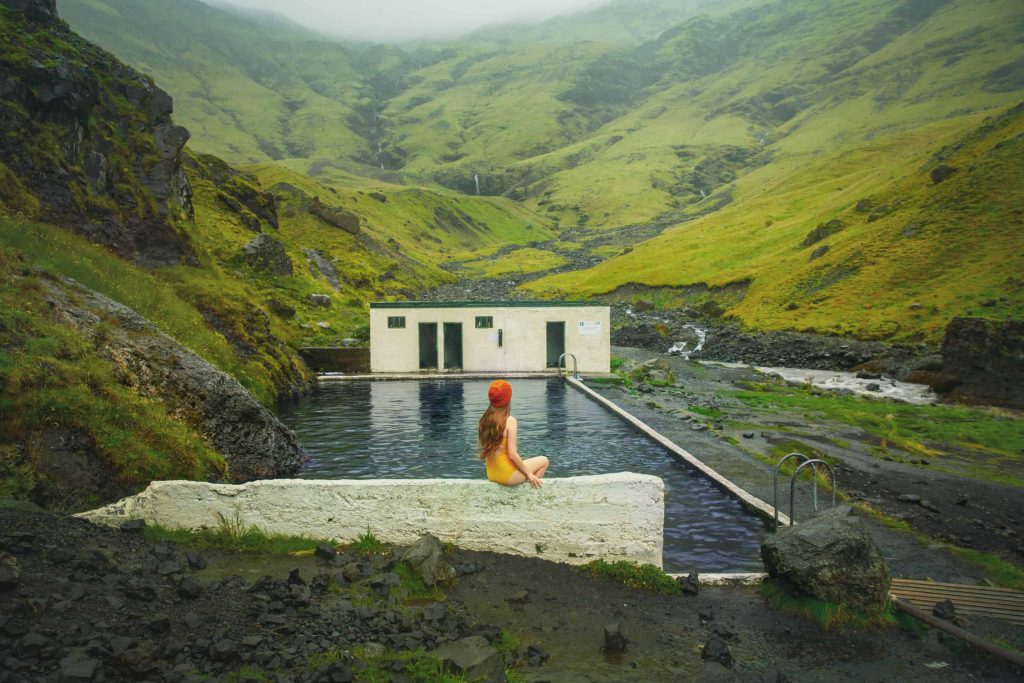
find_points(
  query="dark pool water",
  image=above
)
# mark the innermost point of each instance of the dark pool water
(427, 428)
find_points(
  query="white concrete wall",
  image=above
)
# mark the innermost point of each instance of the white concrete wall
(573, 520)
(524, 337)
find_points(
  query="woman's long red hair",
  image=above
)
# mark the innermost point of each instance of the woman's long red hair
(491, 430)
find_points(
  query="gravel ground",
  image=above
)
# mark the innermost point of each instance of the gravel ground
(98, 604)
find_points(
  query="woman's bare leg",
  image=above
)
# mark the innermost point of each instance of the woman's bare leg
(537, 465)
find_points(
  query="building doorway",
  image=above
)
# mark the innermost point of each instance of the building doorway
(428, 346)
(452, 346)
(556, 343)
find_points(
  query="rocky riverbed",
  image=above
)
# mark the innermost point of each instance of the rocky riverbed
(80, 602)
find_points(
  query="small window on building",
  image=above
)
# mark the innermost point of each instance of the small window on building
(396, 321)
(484, 322)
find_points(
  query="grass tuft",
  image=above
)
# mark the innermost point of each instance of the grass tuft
(827, 615)
(645, 576)
(234, 536)
(367, 544)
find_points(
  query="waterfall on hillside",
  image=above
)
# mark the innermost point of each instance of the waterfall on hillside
(476, 178)
(679, 348)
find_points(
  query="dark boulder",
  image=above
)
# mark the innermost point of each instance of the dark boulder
(614, 639)
(37, 10)
(823, 230)
(474, 658)
(320, 265)
(830, 557)
(716, 650)
(426, 557)
(267, 254)
(252, 440)
(983, 362)
(334, 216)
(818, 253)
(941, 172)
(10, 572)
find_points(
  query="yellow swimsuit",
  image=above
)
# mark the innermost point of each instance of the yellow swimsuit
(499, 467)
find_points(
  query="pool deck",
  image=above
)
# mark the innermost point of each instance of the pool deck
(547, 374)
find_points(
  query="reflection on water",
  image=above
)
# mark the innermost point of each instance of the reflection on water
(427, 429)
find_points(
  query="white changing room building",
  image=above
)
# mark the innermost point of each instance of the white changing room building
(488, 336)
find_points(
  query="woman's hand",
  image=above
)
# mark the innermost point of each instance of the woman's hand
(535, 482)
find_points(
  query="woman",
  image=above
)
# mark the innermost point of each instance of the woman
(497, 434)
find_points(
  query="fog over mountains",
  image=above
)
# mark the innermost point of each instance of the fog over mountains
(402, 20)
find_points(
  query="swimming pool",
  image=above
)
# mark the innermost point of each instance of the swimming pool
(419, 429)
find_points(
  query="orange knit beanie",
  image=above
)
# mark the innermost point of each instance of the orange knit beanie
(499, 393)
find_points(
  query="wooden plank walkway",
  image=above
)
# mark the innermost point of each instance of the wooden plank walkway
(999, 603)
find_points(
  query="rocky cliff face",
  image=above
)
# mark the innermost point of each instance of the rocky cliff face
(87, 142)
(983, 361)
(252, 440)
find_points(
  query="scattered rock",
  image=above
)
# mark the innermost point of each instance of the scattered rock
(267, 254)
(748, 435)
(909, 498)
(10, 572)
(190, 588)
(325, 551)
(196, 560)
(817, 254)
(716, 650)
(78, 666)
(519, 597)
(832, 557)
(320, 265)
(822, 231)
(941, 172)
(426, 557)
(322, 300)
(690, 584)
(698, 427)
(644, 388)
(474, 658)
(945, 610)
(873, 386)
(133, 526)
(614, 639)
(333, 216)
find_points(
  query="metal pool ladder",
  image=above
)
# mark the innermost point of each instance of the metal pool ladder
(813, 463)
(575, 369)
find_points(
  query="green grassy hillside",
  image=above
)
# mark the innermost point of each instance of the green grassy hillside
(861, 243)
(701, 155)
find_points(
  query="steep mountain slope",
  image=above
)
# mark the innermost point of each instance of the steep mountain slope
(153, 298)
(738, 131)
(247, 92)
(877, 243)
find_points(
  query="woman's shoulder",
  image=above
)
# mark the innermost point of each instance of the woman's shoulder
(511, 422)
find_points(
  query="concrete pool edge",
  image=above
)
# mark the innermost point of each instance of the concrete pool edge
(745, 498)
(573, 520)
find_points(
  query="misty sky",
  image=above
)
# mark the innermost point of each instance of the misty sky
(386, 20)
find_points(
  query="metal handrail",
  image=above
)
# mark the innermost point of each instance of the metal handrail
(575, 367)
(775, 486)
(796, 473)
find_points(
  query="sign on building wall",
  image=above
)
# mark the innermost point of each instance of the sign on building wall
(590, 328)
